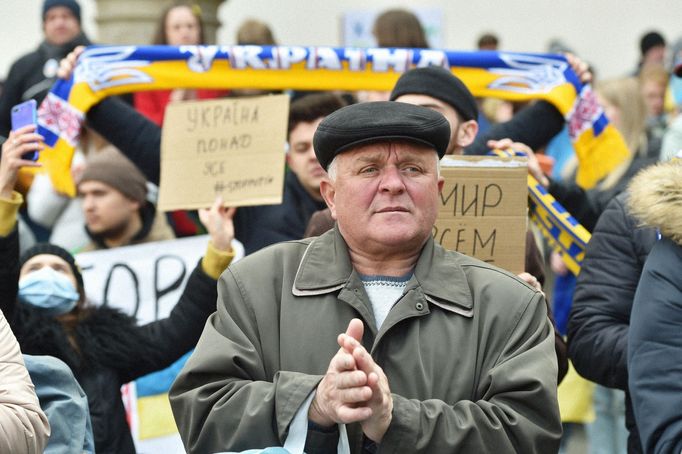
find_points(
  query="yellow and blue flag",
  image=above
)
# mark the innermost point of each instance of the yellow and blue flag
(561, 230)
(109, 70)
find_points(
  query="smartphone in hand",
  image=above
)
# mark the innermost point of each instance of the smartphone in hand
(22, 115)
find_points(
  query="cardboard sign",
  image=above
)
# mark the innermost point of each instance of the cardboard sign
(483, 209)
(232, 147)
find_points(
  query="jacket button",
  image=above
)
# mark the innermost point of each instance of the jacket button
(419, 306)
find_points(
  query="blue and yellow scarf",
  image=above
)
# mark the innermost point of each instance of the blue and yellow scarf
(109, 70)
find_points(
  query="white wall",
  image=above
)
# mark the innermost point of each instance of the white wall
(605, 32)
(20, 28)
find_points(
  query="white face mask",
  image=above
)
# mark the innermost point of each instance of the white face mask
(48, 290)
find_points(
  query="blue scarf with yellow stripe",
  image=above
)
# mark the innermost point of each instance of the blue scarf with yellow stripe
(109, 70)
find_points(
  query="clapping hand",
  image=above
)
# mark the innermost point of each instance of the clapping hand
(354, 389)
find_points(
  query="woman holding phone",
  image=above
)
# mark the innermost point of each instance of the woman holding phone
(25, 114)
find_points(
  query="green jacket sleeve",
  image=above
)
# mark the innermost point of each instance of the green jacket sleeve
(518, 394)
(229, 396)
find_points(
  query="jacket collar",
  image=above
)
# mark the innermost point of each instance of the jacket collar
(326, 267)
(442, 279)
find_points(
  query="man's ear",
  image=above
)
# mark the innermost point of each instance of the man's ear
(466, 133)
(135, 205)
(328, 193)
(441, 183)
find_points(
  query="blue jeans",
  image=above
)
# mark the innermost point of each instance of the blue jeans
(607, 434)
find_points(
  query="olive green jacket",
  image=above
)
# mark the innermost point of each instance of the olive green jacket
(468, 352)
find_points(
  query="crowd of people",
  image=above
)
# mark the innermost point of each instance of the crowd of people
(345, 313)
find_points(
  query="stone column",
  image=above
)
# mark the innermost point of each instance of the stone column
(134, 21)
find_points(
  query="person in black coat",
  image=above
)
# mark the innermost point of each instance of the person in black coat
(654, 340)
(600, 316)
(43, 297)
(32, 75)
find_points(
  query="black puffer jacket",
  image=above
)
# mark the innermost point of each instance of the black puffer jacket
(113, 350)
(655, 350)
(654, 343)
(600, 316)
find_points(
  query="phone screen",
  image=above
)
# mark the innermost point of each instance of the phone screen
(25, 114)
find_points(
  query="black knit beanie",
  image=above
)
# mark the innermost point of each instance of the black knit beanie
(71, 4)
(53, 249)
(650, 40)
(438, 83)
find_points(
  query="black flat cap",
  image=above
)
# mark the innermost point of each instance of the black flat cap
(369, 122)
(438, 83)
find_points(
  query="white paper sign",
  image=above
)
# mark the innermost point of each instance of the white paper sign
(144, 280)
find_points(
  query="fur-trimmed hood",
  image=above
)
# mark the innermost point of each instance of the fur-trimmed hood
(104, 338)
(656, 198)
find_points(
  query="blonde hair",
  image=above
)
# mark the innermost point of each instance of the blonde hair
(654, 72)
(624, 95)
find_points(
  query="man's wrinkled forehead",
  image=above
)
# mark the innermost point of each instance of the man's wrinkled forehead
(382, 150)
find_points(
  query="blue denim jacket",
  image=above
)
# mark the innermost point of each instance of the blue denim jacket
(64, 403)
